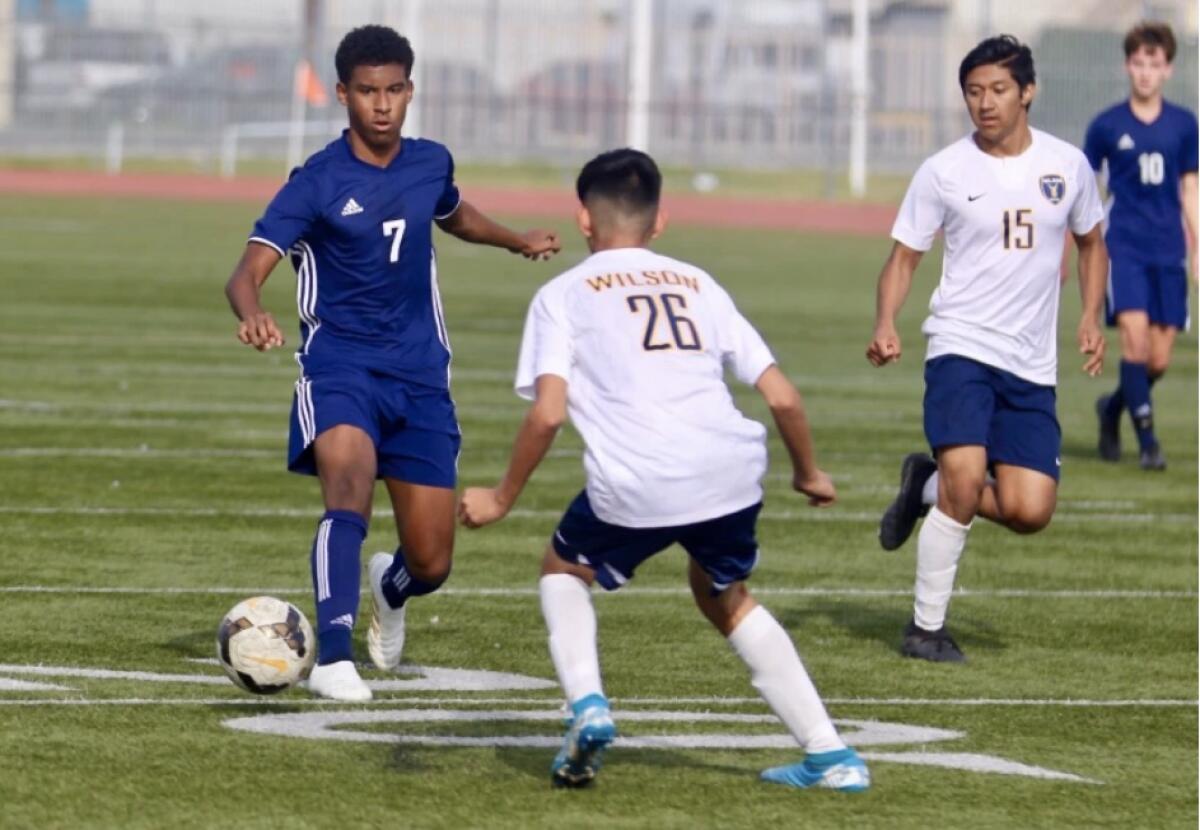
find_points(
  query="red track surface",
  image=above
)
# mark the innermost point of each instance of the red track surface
(688, 209)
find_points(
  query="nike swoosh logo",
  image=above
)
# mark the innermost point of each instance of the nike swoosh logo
(973, 198)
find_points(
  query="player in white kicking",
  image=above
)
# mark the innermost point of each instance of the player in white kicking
(1005, 198)
(633, 345)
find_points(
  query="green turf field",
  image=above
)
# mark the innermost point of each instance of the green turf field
(141, 462)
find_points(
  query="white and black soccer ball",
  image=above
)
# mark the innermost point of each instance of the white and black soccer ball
(266, 645)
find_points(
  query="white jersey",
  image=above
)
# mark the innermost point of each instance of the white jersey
(1005, 221)
(642, 341)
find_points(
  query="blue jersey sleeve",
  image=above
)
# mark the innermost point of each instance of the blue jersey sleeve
(1188, 152)
(448, 202)
(289, 215)
(1094, 145)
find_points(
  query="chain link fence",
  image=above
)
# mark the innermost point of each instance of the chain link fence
(763, 84)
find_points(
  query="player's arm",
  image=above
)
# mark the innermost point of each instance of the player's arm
(894, 283)
(787, 408)
(1188, 191)
(470, 225)
(1093, 279)
(481, 506)
(244, 289)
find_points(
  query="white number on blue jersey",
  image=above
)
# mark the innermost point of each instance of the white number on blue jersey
(396, 226)
(1152, 167)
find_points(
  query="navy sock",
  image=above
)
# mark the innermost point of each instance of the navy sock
(1155, 377)
(1135, 384)
(399, 584)
(335, 563)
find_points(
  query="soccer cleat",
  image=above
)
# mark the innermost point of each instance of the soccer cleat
(588, 735)
(385, 637)
(841, 769)
(1152, 459)
(901, 515)
(1109, 445)
(935, 646)
(338, 681)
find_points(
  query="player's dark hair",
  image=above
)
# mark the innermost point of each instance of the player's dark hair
(1150, 34)
(1002, 50)
(628, 178)
(372, 46)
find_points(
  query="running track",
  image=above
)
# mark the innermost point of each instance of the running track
(686, 209)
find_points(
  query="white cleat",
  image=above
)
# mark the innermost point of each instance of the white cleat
(385, 637)
(339, 681)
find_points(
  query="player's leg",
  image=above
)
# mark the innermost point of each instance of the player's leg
(1168, 314)
(333, 436)
(1126, 305)
(419, 468)
(419, 566)
(582, 550)
(345, 462)
(1024, 448)
(778, 674)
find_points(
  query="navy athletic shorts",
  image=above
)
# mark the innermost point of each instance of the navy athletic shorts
(968, 402)
(725, 547)
(413, 427)
(1159, 290)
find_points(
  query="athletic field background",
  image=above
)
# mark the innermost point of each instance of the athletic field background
(144, 493)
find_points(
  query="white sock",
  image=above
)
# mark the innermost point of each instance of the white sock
(779, 676)
(929, 491)
(939, 546)
(571, 621)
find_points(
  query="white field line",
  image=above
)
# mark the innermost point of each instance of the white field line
(834, 515)
(629, 591)
(556, 702)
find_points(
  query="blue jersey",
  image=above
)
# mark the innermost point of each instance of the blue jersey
(361, 240)
(1145, 163)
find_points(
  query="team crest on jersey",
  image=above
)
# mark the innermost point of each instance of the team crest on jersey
(1054, 188)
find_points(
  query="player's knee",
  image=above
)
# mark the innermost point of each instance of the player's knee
(1157, 367)
(433, 570)
(348, 492)
(961, 498)
(1029, 520)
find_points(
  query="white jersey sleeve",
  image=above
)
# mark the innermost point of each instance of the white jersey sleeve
(1087, 211)
(546, 345)
(923, 211)
(742, 348)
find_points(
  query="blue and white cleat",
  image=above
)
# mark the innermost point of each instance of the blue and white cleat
(588, 735)
(840, 769)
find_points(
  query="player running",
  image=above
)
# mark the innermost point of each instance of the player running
(633, 346)
(1149, 147)
(373, 398)
(1005, 197)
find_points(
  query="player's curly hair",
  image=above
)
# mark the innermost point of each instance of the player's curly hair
(372, 46)
(1003, 50)
(1150, 34)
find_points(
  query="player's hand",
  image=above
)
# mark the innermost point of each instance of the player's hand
(539, 244)
(1091, 344)
(884, 347)
(259, 330)
(481, 506)
(818, 487)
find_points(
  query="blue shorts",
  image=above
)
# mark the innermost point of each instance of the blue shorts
(1159, 290)
(725, 547)
(968, 402)
(413, 427)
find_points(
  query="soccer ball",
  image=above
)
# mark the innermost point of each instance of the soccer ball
(265, 645)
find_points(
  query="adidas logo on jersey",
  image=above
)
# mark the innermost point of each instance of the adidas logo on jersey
(1125, 142)
(351, 207)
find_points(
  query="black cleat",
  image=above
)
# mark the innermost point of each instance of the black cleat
(935, 646)
(1152, 459)
(901, 515)
(1109, 445)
